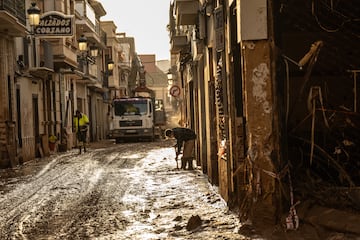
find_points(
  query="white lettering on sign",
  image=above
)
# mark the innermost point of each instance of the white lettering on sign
(55, 24)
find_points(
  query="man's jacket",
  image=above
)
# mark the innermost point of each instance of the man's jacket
(182, 135)
(83, 121)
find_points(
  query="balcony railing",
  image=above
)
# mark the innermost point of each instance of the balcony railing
(186, 12)
(86, 12)
(15, 8)
(89, 23)
(178, 43)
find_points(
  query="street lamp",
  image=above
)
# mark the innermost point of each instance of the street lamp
(170, 78)
(82, 43)
(110, 65)
(34, 15)
(34, 20)
(108, 71)
(82, 58)
(94, 51)
(87, 56)
(172, 99)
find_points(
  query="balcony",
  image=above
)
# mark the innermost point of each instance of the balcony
(64, 54)
(44, 61)
(91, 73)
(94, 71)
(87, 21)
(97, 36)
(178, 43)
(186, 12)
(13, 17)
(85, 17)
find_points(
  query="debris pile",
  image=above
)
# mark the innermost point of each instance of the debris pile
(325, 162)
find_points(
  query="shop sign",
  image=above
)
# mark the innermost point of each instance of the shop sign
(55, 24)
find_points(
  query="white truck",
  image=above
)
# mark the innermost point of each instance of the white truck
(133, 118)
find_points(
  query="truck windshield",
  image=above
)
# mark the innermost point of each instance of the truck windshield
(130, 107)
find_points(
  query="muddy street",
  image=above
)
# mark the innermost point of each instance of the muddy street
(115, 191)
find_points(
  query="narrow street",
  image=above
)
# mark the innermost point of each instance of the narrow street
(266, 93)
(114, 191)
(125, 191)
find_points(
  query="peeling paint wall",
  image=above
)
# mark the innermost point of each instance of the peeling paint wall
(258, 104)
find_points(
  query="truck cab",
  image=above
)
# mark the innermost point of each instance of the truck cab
(132, 118)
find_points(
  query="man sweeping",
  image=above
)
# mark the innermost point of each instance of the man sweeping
(185, 138)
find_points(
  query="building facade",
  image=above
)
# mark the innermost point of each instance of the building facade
(13, 25)
(47, 76)
(250, 102)
(156, 79)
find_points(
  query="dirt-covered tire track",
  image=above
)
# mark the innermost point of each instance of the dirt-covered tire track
(121, 191)
(69, 196)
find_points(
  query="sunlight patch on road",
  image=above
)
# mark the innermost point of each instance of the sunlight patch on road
(143, 232)
(132, 200)
(152, 216)
(48, 166)
(128, 213)
(160, 158)
(96, 176)
(132, 156)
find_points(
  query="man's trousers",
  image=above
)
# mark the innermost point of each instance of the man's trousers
(187, 157)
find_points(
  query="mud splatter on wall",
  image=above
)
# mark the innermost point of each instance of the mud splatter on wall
(260, 76)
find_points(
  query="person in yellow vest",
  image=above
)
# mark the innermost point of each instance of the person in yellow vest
(81, 125)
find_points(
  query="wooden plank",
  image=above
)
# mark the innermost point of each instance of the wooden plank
(45, 145)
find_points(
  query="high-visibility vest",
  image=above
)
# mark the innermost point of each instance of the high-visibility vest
(84, 120)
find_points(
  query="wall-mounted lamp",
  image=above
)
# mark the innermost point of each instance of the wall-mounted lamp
(169, 76)
(87, 55)
(110, 65)
(82, 43)
(94, 51)
(108, 71)
(34, 15)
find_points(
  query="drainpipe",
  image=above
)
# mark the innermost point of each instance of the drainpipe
(61, 79)
(182, 108)
(44, 105)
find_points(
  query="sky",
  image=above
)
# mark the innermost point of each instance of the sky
(145, 21)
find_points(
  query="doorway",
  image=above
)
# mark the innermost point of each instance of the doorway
(18, 117)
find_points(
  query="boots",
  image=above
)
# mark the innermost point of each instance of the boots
(80, 149)
(183, 163)
(188, 161)
(190, 164)
(80, 146)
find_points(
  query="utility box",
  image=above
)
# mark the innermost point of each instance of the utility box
(251, 19)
